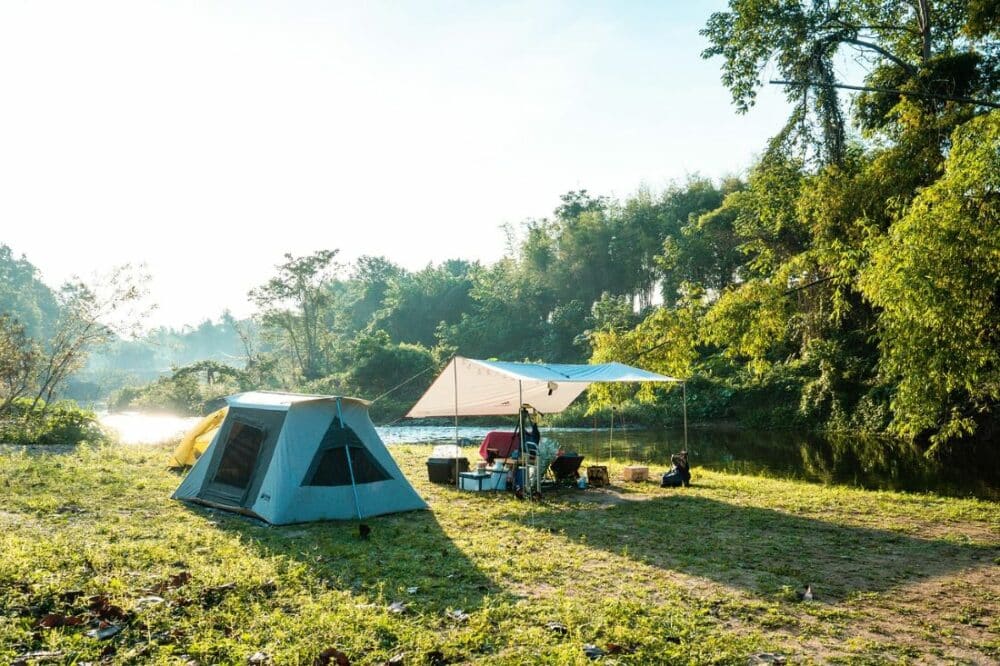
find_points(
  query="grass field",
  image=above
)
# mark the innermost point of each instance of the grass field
(90, 542)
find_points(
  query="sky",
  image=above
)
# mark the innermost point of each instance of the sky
(206, 139)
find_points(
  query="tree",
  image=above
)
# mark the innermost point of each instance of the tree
(416, 304)
(292, 307)
(24, 296)
(665, 341)
(89, 316)
(18, 359)
(923, 47)
(936, 279)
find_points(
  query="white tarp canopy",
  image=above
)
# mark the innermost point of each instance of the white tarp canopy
(469, 387)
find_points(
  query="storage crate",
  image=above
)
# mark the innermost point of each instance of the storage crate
(474, 481)
(597, 476)
(443, 470)
(635, 473)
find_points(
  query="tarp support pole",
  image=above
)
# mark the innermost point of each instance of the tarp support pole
(684, 389)
(350, 465)
(611, 435)
(520, 436)
(454, 365)
(538, 462)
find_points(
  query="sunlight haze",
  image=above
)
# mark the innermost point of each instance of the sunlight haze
(207, 139)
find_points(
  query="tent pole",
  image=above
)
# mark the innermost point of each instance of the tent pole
(611, 435)
(350, 465)
(520, 433)
(454, 365)
(538, 462)
(684, 389)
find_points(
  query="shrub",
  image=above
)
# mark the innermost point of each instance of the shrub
(61, 423)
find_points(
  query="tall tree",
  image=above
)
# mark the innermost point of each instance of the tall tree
(920, 46)
(292, 307)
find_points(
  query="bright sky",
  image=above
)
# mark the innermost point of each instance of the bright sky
(206, 139)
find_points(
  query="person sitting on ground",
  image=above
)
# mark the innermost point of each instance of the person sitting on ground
(680, 474)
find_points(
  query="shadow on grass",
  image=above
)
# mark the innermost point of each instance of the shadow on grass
(760, 550)
(403, 551)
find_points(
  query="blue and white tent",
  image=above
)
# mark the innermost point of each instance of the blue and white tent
(288, 458)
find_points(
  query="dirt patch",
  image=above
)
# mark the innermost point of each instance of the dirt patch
(946, 619)
(606, 496)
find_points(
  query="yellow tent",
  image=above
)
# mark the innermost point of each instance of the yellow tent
(198, 438)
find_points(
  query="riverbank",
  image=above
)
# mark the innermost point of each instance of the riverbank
(706, 574)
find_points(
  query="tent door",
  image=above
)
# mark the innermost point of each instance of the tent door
(245, 445)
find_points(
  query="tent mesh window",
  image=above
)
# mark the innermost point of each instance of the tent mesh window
(240, 455)
(329, 468)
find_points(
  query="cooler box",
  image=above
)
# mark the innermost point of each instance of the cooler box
(446, 470)
(475, 481)
(498, 479)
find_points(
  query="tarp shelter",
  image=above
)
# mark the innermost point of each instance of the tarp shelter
(197, 439)
(287, 458)
(471, 387)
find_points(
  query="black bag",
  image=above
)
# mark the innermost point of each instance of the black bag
(672, 479)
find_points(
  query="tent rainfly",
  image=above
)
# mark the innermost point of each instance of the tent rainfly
(288, 458)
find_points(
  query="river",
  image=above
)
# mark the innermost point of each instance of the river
(846, 459)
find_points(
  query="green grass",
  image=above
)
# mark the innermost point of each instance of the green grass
(705, 574)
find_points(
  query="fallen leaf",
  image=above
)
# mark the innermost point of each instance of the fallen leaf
(213, 596)
(148, 601)
(55, 620)
(396, 659)
(258, 659)
(105, 633)
(458, 615)
(179, 579)
(105, 610)
(397, 607)
(331, 656)
(615, 648)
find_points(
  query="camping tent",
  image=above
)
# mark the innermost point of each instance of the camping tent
(196, 441)
(288, 458)
(471, 387)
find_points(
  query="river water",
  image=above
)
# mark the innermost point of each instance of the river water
(848, 459)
